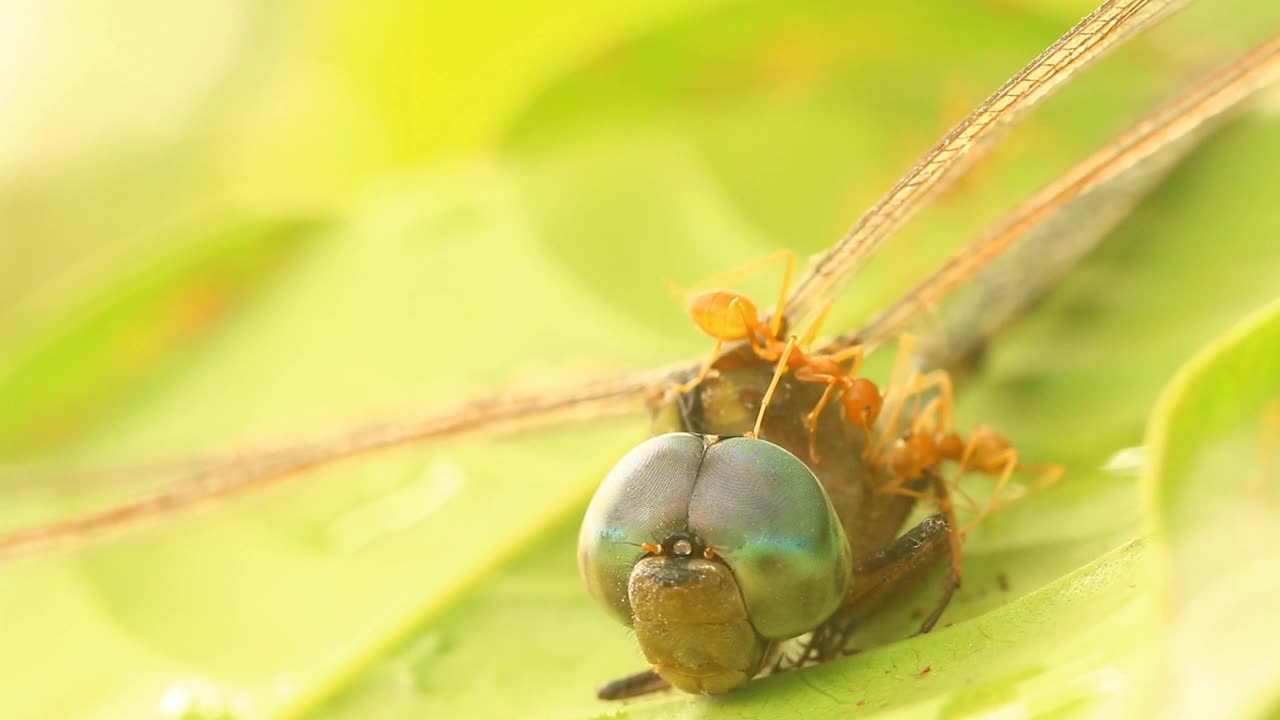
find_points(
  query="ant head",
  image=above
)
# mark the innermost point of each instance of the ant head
(862, 402)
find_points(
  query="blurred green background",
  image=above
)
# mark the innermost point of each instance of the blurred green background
(233, 226)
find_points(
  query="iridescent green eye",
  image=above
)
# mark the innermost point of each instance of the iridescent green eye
(755, 505)
(643, 499)
(767, 515)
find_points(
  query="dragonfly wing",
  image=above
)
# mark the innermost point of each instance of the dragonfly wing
(203, 482)
(997, 276)
(1106, 28)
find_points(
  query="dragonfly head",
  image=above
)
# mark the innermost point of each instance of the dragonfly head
(712, 549)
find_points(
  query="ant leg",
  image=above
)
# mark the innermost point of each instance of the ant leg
(787, 257)
(775, 322)
(895, 396)
(761, 348)
(811, 420)
(873, 448)
(683, 388)
(943, 406)
(897, 489)
(1008, 459)
(970, 446)
(962, 465)
(916, 392)
(773, 385)
(807, 339)
(734, 275)
(854, 353)
(938, 414)
(715, 319)
(970, 505)
(1049, 475)
(807, 374)
(906, 343)
(896, 486)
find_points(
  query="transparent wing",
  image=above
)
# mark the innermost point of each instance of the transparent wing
(203, 482)
(999, 274)
(1106, 28)
(206, 481)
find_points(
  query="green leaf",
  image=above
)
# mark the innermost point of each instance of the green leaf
(702, 142)
(142, 330)
(1213, 485)
(1031, 651)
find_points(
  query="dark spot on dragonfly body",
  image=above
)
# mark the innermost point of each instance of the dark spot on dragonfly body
(770, 563)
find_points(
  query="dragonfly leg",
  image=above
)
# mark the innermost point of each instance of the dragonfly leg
(634, 685)
(952, 581)
(883, 580)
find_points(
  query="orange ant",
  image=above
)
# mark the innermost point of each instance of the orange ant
(728, 316)
(932, 439)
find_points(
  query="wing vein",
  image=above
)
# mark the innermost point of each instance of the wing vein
(218, 481)
(1105, 28)
(1174, 122)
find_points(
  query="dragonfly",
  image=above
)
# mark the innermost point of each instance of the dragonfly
(1133, 159)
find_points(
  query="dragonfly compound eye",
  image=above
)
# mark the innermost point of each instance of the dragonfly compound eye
(765, 513)
(778, 552)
